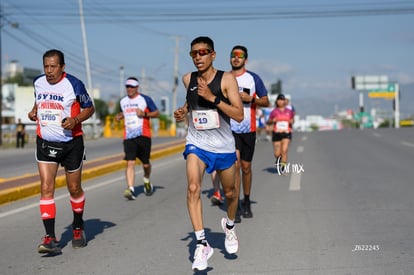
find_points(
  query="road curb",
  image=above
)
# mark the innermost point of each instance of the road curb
(31, 189)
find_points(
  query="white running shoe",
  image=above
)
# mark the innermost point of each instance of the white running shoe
(231, 243)
(201, 255)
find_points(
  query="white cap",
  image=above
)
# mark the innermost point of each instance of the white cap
(132, 82)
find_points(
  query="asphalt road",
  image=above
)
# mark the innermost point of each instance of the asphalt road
(345, 208)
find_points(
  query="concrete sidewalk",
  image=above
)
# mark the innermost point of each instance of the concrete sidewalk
(13, 189)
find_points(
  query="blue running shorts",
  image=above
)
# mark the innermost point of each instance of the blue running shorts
(213, 161)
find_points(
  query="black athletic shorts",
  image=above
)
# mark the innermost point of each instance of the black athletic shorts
(139, 147)
(280, 136)
(245, 143)
(69, 154)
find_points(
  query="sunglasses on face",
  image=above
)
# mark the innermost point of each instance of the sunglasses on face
(237, 54)
(200, 52)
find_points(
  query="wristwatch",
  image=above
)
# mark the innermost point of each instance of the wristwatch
(217, 100)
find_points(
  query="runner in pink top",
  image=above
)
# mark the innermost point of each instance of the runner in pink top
(282, 120)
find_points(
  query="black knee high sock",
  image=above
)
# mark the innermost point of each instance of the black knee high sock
(49, 225)
(77, 220)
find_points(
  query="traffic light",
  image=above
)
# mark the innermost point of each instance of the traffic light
(276, 88)
(164, 108)
(163, 105)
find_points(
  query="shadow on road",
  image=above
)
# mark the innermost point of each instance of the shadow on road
(93, 227)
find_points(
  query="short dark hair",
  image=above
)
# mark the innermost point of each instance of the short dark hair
(240, 47)
(281, 96)
(204, 39)
(133, 78)
(54, 52)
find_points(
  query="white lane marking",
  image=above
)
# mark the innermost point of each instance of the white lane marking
(85, 188)
(304, 138)
(294, 184)
(409, 144)
(376, 134)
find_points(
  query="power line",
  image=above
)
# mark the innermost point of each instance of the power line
(104, 13)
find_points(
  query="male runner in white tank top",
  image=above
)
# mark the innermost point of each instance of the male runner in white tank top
(212, 99)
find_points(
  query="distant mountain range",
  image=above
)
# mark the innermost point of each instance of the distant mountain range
(327, 106)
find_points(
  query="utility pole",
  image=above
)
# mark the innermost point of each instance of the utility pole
(121, 81)
(397, 106)
(175, 85)
(1, 81)
(88, 69)
(14, 25)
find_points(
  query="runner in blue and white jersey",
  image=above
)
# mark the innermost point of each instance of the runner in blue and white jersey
(252, 93)
(61, 104)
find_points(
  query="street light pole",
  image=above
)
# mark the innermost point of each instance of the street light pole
(175, 86)
(88, 69)
(1, 81)
(121, 82)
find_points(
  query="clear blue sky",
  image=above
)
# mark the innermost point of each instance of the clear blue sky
(314, 47)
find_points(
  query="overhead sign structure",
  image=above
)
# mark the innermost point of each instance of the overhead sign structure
(388, 93)
(370, 82)
(377, 86)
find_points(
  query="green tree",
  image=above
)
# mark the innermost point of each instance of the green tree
(18, 78)
(165, 121)
(314, 127)
(101, 109)
(349, 123)
(386, 124)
